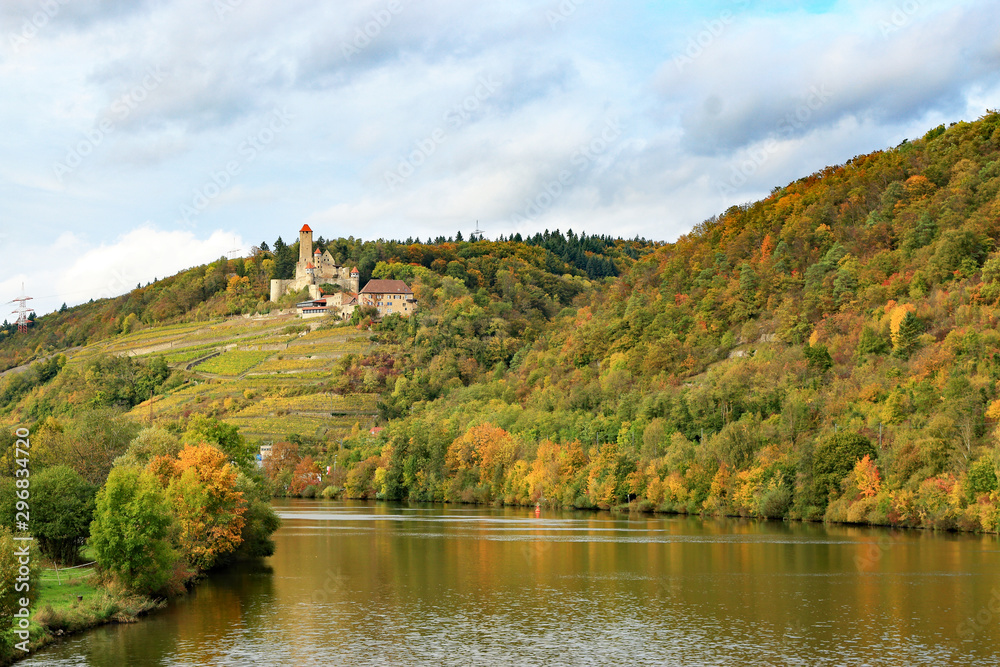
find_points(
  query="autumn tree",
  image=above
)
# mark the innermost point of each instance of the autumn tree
(866, 477)
(226, 437)
(306, 474)
(284, 456)
(239, 295)
(208, 508)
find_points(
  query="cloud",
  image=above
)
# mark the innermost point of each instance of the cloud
(746, 83)
(786, 88)
(69, 271)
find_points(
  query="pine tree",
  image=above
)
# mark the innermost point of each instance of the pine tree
(904, 341)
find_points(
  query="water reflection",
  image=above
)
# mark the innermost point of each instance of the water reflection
(368, 584)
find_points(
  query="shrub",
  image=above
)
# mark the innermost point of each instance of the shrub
(775, 502)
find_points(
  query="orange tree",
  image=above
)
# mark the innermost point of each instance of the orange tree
(201, 489)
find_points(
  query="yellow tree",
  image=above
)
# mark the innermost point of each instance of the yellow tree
(239, 294)
(866, 477)
(201, 489)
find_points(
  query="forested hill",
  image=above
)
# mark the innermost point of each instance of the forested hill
(831, 350)
(205, 292)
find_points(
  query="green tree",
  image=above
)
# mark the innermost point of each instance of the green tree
(835, 458)
(872, 342)
(818, 358)
(261, 521)
(150, 443)
(226, 437)
(905, 340)
(131, 530)
(284, 260)
(62, 504)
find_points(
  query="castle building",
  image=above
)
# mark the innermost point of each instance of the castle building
(388, 296)
(313, 269)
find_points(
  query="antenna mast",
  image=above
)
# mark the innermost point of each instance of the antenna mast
(478, 232)
(235, 252)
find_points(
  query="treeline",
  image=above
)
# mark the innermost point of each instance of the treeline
(156, 506)
(228, 287)
(53, 388)
(593, 256)
(827, 352)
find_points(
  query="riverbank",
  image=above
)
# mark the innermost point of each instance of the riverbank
(73, 601)
(967, 521)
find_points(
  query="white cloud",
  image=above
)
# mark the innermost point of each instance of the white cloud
(685, 124)
(69, 271)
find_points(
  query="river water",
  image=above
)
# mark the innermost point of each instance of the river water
(382, 584)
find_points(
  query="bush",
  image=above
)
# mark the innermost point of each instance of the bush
(775, 502)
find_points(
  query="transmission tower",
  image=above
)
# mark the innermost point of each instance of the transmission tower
(235, 252)
(22, 311)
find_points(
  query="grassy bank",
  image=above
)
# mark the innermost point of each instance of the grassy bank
(72, 600)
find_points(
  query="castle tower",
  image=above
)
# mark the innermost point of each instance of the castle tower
(305, 245)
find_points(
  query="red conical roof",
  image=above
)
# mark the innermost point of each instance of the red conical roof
(305, 228)
(355, 270)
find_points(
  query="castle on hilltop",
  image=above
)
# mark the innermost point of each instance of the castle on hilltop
(313, 269)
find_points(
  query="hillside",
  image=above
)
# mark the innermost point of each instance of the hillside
(266, 372)
(826, 352)
(747, 368)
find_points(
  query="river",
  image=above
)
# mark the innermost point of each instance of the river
(358, 583)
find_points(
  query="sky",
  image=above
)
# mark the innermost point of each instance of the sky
(143, 137)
